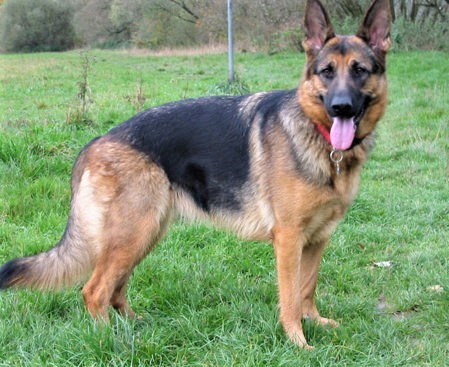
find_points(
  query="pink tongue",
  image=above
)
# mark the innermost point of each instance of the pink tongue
(342, 133)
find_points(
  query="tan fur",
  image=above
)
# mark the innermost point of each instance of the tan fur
(133, 202)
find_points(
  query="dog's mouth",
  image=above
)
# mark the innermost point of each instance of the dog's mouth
(343, 130)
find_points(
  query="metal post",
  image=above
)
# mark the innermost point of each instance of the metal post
(230, 44)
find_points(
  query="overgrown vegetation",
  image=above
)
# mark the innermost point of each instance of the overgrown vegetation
(36, 25)
(267, 25)
(236, 87)
(206, 298)
(138, 98)
(79, 112)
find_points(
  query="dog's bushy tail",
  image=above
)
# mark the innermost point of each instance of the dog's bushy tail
(68, 262)
(65, 264)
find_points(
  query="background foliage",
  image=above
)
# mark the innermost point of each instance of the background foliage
(269, 25)
(37, 25)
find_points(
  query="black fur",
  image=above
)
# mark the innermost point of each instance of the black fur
(202, 144)
(10, 271)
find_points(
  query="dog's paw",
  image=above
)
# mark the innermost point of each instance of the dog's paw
(296, 335)
(326, 322)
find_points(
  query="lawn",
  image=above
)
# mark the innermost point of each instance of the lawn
(206, 298)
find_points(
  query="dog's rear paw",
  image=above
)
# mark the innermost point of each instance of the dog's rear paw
(326, 322)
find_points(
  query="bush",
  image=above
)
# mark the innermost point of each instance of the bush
(36, 25)
(407, 35)
(236, 88)
(423, 35)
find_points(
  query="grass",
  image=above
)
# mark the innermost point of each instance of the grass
(202, 303)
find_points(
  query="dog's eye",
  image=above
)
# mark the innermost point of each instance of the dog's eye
(327, 73)
(359, 70)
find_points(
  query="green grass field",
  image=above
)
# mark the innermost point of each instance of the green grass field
(205, 297)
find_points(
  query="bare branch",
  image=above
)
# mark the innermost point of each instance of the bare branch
(190, 17)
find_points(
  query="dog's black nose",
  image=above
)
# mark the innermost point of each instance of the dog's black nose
(342, 106)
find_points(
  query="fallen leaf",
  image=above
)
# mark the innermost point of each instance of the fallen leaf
(361, 245)
(436, 288)
(402, 315)
(383, 304)
(383, 264)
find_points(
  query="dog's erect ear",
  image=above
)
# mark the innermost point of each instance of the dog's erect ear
(318, 28)
(375, 29)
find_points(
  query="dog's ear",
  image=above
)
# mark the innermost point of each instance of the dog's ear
(318, 28)
(375, 29)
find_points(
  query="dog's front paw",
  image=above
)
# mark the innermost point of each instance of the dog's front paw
(296, 335)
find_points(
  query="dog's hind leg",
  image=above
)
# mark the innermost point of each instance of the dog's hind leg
(129, 236)
(118, 298)
(155, 230)
(133, 198)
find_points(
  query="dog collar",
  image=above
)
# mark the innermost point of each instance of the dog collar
(335, 156)
(324, 132)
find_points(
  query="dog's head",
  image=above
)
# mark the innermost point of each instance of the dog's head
(344, 86)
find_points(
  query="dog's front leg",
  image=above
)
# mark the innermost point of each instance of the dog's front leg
(288, 246)
(310, 262)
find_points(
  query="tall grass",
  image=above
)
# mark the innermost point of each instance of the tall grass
(206, 298)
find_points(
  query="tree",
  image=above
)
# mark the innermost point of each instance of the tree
(181, 9)
(36, 25)
(422, 10)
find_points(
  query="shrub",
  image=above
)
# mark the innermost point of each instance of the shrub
(79, 112)
(236, 88)
(424, 35)
(36, 25)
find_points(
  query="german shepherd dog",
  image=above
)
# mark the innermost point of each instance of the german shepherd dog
(282, 166)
